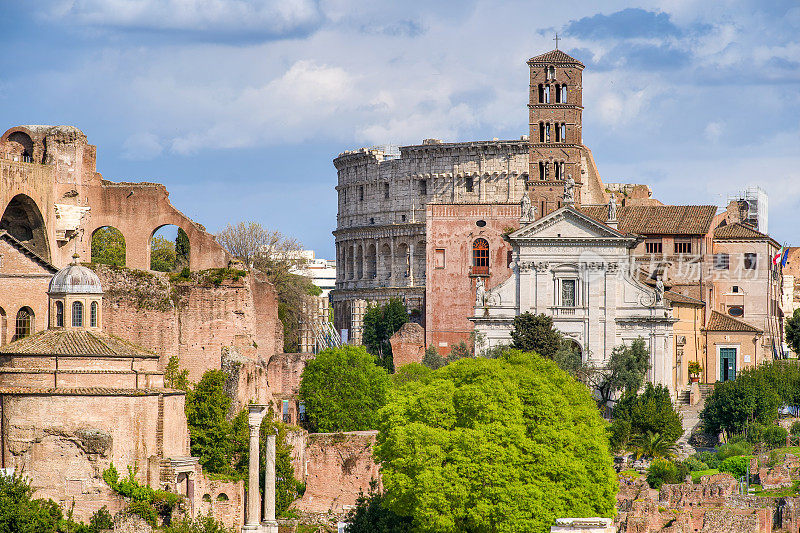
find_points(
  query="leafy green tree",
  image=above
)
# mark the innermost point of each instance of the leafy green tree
(369, 515)
(505, 444)
(459, 351)
(343, 390)
(663, 471)
(182, 249)
(101, 520)
(21, 513)
(210, 431)
(736, 404)
(432, 359)
(736, 465)
(108, 247)
(380, 323)
(203, 524)
(650, 412)
(162, 254)
(793, 331)
(174, 376)
(535, 333)
(410, 372)
(625, 371)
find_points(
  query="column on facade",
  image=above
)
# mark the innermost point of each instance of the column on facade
(410, 262)
(269, 525)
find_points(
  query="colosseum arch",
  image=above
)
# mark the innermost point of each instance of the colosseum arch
(360, 263)
(385, 262)
(371, 260)
(107, 246)
(23, 221)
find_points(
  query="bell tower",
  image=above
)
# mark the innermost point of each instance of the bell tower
(556, 140)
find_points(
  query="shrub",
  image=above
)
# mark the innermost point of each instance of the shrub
(662, 471)
(755, 433)
(101, 520)
(795, 429)
(619, 434)
(695, 464)
(775, 435)
(144, 510)
(432, 359)
(736, 465)
(203, 524)
(711, 459)
(733, 448)
(650, 412)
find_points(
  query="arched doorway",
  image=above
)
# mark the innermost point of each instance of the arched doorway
(108, 246)
(23, 221)
(169, 249)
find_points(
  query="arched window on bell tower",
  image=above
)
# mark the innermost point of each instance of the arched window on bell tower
(558, 93)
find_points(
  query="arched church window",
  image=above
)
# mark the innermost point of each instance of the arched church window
(59, 314)
(558, 93)
(563, 94)
(93, 315)
(77, 314)
(24, 325)
(480, 257)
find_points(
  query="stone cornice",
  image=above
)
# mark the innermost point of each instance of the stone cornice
(388, 230)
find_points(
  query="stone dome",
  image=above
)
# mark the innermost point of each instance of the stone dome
(75, 279)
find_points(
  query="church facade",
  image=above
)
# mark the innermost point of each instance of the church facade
(577, 270)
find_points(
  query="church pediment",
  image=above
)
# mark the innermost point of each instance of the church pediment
(567, 223)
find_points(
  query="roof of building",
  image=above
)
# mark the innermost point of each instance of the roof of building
(676, 297)
(75, 279)
(658, 219)
(720, 322)
(6, 236)
(89, 391)
(738, 231)
(554, 56)
(688, 290)
(75, 343)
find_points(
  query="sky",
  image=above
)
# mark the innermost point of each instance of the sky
(239, 107)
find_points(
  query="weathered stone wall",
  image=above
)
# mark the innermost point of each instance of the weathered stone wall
(192, 320)
(408, 344)
(339, 465)
(224, 500)
(23, 283)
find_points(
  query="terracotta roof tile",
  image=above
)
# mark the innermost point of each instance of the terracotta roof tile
(658, 219)
(676, 297)
(554, 56)
(75, 342)
(737, 231)
(720, 322)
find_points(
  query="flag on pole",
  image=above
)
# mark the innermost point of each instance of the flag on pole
(777, 257)
(785, 257)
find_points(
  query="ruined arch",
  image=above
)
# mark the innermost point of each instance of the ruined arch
(170, 248)
(22, 145)
(108, 246)
(23, 220)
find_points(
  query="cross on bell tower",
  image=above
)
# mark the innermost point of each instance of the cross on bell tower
(556, 40)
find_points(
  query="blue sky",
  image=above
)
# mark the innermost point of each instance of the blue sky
(240, 106)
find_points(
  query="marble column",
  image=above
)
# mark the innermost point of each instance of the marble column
(269, 525)
(254, 418)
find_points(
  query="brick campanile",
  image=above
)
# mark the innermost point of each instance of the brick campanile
(556, 139)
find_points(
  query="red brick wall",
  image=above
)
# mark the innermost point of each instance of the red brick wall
(23, 282)
(450, 291)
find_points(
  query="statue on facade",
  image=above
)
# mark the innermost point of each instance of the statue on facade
(480, 293)
(528, 211)
(612, 208)
(569, 190)
(659, 291)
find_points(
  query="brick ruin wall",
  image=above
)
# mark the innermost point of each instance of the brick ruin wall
(193, 320)
(408, 344)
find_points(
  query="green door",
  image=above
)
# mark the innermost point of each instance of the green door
(727, 364)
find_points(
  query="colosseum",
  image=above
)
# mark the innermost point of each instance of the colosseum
(397, 205)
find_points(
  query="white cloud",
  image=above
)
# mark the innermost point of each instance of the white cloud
(141, 146)
(713, 131)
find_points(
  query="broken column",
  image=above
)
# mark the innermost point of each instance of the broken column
(254, 417)
(269, 525)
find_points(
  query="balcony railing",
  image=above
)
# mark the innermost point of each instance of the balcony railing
(479, 270)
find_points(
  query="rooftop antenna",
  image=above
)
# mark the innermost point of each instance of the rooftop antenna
(556, 39)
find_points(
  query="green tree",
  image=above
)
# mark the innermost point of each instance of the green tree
(505, 444)
(432, 359)
(182, 249)
(625, 371)
(108, 246)
(793, 331)
(734, 405)
(211, 433)
(380, 323)
(101, 520)
(174, 376)
(162, 254)
(650, 412)
(343, 390)
(459, 351)
(370, 516)
(410, 372)
(203, 524)
(653, 445)
(535, 333)
(21, 513)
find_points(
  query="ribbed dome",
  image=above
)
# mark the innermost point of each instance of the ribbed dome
(75, 279)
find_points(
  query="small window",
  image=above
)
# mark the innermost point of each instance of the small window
(683, 246)
(563, 94)
(568, 293)
(541, 93)
(360, 193)
(736, 310)
(480, 257)
(77, 314)
(653, 246)
(722, 261)
(206, 497)
(286, 419)
(542, 170)
(93, 315)
(481, 223)
(735, 289)
(423, 187)
(558, 93)
(563, 133)
(547, 132)
(750, 261)
(438, 258)
(371, 220)
(469, 185)
(402, 218)
(541, 132)
(222, 497)
(24, 325)
(386, 190)
(59, 314)
(547, 94)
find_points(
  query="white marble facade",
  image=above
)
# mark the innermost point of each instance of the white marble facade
(576, 269)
